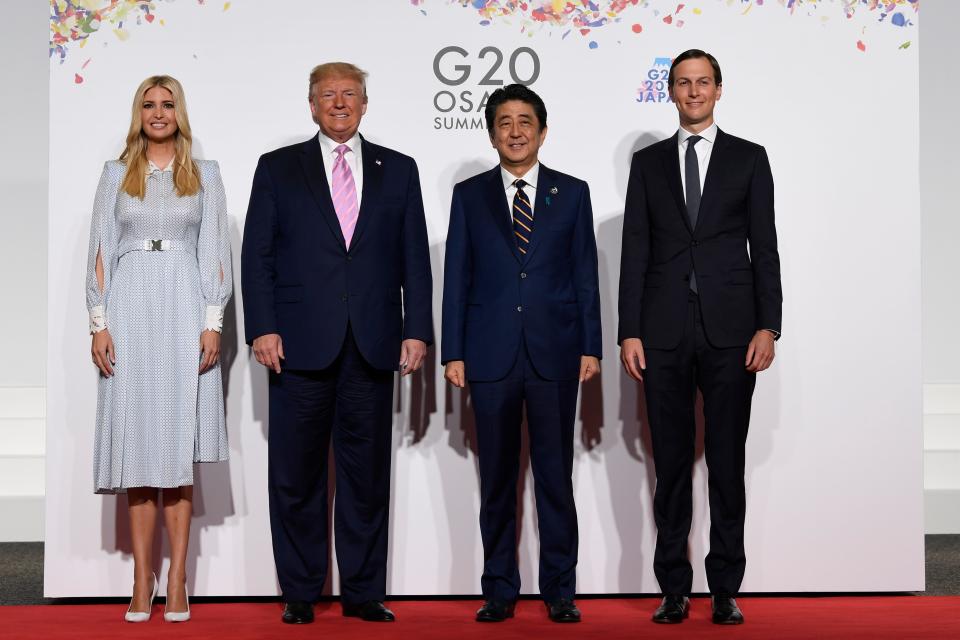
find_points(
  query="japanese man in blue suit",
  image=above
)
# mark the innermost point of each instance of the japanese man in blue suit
(521, 324)
(336, 297)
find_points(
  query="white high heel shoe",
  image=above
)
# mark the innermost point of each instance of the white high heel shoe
(178, 616)
(143, 616)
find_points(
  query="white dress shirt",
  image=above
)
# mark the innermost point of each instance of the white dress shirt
(353, 157)
(530, 177)
(703, 149)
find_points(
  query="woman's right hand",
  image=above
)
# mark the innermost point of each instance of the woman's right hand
(103, 354)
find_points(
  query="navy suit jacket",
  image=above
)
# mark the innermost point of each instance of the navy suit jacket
(493, 295)
(300, 281)
(733, 247)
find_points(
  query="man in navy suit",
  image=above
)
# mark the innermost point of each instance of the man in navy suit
(700, 307)
(521, 324)
(336, 297)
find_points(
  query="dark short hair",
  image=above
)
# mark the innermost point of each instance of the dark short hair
(696, 53)
(519, 92)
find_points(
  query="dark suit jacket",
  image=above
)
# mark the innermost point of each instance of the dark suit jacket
(492, 293)
(300, 281)
(733, 247)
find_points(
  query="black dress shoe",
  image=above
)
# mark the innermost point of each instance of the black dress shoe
(297, 612)
(672, 609)
(495, 611)
(563, 610)
(726, 611)
(371, 611)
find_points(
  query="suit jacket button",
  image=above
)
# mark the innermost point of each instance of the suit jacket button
(519, 309)
(694, 244)
(349, 258)
(523, 276)
(344, 297)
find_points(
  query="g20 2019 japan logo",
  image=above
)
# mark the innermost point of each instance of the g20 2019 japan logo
(655, 85)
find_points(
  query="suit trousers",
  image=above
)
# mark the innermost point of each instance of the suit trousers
(551, 410)
(349, 401)
(670, 385)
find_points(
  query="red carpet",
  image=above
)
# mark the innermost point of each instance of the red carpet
(872, 617)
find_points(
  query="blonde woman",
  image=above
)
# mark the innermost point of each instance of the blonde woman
(158, 277)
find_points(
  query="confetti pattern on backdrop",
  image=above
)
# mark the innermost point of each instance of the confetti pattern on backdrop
(583, 16)
(74, 23)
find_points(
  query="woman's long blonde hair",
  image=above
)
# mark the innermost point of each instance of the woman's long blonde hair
(186, 174)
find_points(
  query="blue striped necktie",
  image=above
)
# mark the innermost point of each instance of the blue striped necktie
(522, 217)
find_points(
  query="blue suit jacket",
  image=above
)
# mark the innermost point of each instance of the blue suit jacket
(493, 295)
(300, 281)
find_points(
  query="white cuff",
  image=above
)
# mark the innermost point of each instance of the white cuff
(214, 319)
(98, 321)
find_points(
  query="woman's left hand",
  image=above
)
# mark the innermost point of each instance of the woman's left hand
(209, 349)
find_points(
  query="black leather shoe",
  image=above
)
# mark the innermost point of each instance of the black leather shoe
(563, 610)
(672, 610)
(726, 611)
(371, 611)
(495, 611)
(297, 612)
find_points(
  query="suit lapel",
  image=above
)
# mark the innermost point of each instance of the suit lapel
(372, 181)
(311, 160)
(671, 166)
(546, 180)
(499, 209)
(711, 184)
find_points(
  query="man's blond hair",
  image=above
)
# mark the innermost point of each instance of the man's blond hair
(338, 70)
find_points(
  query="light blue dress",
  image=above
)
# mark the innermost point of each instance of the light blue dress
(157, 415)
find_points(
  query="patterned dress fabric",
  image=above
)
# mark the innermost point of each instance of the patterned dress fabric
(157, 415)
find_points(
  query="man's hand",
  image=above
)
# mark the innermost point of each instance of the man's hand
(454, 373)
(268, 350)
(103, 354)
(631, 355)
(760, 353)
(412, 352)
(589, 367)
(209, 349)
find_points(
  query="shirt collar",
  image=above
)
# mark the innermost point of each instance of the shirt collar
(709, 134)
(530, 177)
(151, 167)
(328, 145)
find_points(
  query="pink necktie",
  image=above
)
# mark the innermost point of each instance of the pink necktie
(344, 194)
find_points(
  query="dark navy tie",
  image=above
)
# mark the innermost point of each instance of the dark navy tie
(692, 171)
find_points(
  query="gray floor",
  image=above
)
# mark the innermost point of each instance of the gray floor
(943, 565)
(21, 573)
(21, 570)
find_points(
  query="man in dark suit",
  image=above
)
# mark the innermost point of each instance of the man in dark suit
(700, 306)
(521, 323)
(336, 297)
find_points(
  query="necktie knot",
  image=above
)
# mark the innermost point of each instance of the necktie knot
(340, 150)
(693, 140)
(519, 183)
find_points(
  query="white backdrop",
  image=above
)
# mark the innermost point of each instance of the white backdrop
(834, 454)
